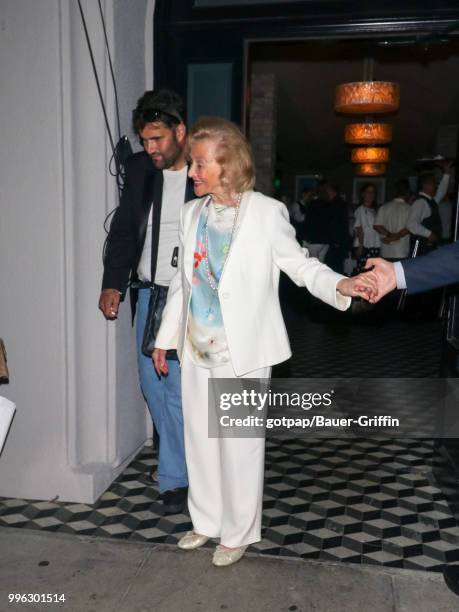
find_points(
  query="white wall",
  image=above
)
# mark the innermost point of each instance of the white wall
(80, 415)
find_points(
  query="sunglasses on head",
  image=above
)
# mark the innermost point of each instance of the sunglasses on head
(158, 114)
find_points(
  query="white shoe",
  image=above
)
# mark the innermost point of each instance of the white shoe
(192, 540)
(227, 556)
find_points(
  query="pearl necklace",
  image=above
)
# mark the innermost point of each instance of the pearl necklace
(210, 277)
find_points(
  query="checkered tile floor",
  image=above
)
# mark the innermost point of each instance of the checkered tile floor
(363, 501)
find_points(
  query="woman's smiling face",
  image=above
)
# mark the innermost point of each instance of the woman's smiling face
(205, 171)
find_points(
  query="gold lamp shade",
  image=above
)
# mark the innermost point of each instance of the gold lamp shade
(370, 155)
(365, 97)
(368, 133)
(370, 169)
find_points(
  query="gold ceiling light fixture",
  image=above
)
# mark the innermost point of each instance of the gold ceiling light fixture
(370, 155)
(368, 133)
(367, 97)
(370, 169)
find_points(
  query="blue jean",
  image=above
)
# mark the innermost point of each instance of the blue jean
(164, 399)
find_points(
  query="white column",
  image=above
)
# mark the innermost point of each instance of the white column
(80, 416)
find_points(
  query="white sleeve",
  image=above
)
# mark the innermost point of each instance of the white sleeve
(442, 188)
(399, 275)
(297, 214)
(358, 217)
(380, 217)
(419, 210)
(304, 271)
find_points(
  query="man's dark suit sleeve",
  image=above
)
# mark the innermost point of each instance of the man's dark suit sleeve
(120, 248)
(437, 269)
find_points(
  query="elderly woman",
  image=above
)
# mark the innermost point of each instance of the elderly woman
(223, 316)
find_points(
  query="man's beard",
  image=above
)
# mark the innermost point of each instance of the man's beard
(166, 161)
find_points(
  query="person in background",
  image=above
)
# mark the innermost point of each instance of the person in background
(317, 227)
(224, 318)
(391, 220)
(298, 212)
(338, 227)
(424, 222)
(445, 208)
(367, 239)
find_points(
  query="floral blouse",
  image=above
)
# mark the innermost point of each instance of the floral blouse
(206, 337)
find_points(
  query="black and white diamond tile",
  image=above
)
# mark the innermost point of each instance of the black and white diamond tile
(371, 501)
(372, 514)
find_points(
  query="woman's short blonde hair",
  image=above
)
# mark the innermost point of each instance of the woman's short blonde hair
(233, 151)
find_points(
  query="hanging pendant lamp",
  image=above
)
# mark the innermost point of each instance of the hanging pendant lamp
(367, 133)
(366, 97)
(370, 169)
(370, 155)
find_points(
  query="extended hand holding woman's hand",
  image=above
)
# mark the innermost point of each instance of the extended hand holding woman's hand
(384, 273)
(364, 285)
(159, 361)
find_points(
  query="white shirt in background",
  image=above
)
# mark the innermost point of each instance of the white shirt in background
(393, 216)
(366, 219)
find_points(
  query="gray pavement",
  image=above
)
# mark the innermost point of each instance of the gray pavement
(98, 575)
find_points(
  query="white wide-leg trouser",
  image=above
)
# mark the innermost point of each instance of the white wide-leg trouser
(225, 475)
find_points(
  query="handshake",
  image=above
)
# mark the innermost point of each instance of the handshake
(383, 275)
(373, 284)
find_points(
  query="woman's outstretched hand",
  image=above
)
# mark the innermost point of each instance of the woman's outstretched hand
(159, 361)
(364, 286)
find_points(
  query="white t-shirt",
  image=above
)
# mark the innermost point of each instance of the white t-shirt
(366, 218)
(173, 198)
(393, 216)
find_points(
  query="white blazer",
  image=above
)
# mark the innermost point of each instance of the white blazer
(263, 244)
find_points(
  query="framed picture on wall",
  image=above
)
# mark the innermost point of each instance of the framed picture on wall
(305, 181)
(379, 183)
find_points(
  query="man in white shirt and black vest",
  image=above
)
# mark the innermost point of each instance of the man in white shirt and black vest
(424, 222)
(142, 253)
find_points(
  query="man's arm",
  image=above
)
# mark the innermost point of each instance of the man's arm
(120, 246)
(442, 188)
(418, 212)
(436, 269)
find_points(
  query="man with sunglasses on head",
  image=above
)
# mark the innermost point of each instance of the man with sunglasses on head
(142, 252)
